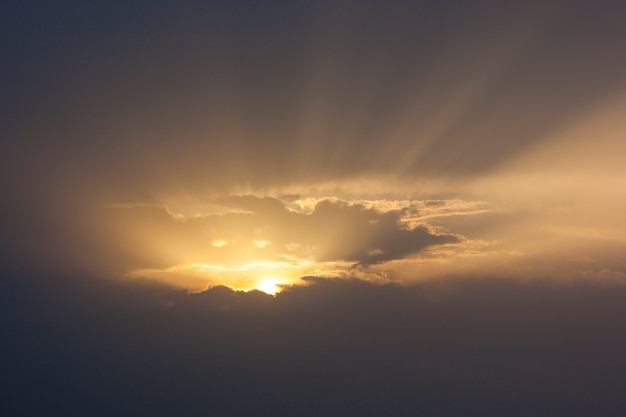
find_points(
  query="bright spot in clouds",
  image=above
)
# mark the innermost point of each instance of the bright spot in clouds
(503, 155)
(373, 238)
(269, 286)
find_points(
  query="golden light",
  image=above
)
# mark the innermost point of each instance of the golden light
(269, 286)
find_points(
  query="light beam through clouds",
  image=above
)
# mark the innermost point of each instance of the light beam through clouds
(399, 141)
(330, 207)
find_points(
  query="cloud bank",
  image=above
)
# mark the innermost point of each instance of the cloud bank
(349, 347)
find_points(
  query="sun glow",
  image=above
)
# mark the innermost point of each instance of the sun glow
(265, 276)
(270, 286)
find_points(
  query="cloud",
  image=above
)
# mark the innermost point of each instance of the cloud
(345, 347)
(367, 236)
(244, 240)
(253, 230)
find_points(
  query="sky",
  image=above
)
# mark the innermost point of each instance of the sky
(425, 193)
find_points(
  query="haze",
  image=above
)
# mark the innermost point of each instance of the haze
(355, 148)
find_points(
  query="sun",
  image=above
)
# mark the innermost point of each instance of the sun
(269, 286)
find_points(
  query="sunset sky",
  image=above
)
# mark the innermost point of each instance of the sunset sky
(364, 150)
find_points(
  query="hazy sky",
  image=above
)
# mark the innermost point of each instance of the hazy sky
(254, 144)
(412, 139)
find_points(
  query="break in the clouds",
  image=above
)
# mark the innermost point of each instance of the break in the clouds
(251, 235)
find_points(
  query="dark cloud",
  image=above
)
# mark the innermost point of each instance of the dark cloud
(334, 347)
(366, 236)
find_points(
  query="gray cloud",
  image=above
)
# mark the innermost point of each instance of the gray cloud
(348, 347)
(366, 236)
